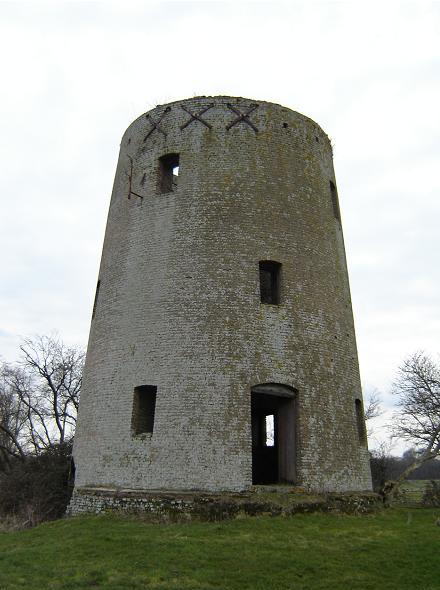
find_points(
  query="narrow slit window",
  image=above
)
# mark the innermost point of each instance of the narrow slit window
(335, 201)
(270, 274)
(144, 408)
(168, 173)
(95, 302)
(360, 422)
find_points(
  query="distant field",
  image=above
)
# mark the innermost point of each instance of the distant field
(412, 492)
(396, 549)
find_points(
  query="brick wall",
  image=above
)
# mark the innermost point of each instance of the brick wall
(179, 305)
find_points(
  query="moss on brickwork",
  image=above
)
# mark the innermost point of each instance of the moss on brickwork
(172, 507)
(179, 305)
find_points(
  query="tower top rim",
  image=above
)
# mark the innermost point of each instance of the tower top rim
(223, 99)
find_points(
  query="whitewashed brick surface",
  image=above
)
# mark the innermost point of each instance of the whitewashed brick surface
(179, 306)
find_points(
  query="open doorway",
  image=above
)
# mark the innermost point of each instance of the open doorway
(273, 433)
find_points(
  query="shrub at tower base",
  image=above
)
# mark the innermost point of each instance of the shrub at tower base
(37, 489)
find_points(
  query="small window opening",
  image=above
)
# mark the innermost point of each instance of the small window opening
(168, 173)
(270, 431)
(95, 302)
(270, 281)
(335, 201)
(360, 422)
(144, 407)
(71, 474)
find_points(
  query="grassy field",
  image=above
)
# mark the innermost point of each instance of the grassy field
(395, 549)
(411, 491)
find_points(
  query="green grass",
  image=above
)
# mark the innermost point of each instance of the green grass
(394, 549)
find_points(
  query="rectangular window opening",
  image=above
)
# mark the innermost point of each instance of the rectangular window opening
(95, 302)
(360, 422)
(335, 201)
(168, 173)
(270, 273)
(144, 407)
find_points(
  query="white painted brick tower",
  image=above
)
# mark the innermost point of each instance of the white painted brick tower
(222, 310)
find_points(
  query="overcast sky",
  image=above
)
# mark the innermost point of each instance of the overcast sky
(75, 74)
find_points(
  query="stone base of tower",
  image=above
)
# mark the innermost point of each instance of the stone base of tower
(183, 506)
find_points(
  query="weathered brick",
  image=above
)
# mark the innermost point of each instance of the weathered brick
(179, 305)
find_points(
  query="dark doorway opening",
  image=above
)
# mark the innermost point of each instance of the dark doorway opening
(273, 433)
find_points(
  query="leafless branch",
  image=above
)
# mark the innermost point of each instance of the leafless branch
(373, 408)
(417, 419)
(39, 397)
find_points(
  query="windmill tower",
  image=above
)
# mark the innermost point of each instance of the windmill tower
(222, 349)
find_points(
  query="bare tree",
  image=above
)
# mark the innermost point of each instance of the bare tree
(417, 419)
(382, 464)
(373, 407)
(39, 397)
(11, 424)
